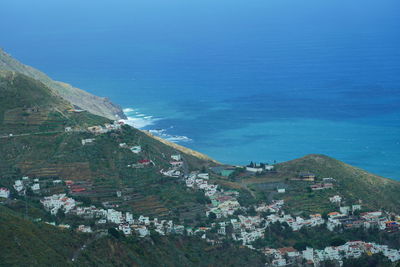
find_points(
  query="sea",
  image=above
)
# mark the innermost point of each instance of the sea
(241, 81)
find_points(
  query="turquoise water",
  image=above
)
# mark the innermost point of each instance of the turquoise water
(241, 81)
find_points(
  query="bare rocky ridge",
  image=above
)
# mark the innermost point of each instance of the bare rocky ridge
(94, 104)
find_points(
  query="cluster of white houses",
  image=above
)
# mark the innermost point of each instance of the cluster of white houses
(224, 203)
(246, 229)
(58, 202)
(352, 249)
(175, 169)
(374, 219)
(124, 220)
(21, 185)
(346, 218)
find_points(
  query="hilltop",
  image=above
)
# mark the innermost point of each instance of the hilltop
(355, 185)
(80, 98)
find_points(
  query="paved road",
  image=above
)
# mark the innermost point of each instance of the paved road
(27, 134)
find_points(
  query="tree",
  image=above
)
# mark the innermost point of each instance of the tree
(337, 241)
(60, 214)
(251, 211)
(114, 232)
(301, 245)
(203, 169)
(212, 216)
(29, 192)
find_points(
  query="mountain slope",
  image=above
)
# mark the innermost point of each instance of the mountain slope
(25, 243)
(39, 146)
(27, 106)
(94, 104)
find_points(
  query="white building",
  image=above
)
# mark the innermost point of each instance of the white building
(84, 229)
(335, 199)
(35, 187)
(144, 220)
(254, 170)
(125, 228)
(4, 192)
(308, 254)
(176, 157)
(114, 216)
(87, 141)
(136, 149)
(203, 176)
(279, 262)
(269, 167)
(345, 210)
(18, 185)
(142, 230)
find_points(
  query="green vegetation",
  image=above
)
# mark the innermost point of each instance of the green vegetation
(162, 251)
(40, 147)
(23, 243)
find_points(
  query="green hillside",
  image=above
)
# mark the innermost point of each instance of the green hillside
(24, 243)
(354, 185)
(40, 147)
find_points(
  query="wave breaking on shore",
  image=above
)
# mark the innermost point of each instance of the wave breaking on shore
(144, 122)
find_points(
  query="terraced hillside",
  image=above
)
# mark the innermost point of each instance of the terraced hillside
(36, 118)
(29, 106)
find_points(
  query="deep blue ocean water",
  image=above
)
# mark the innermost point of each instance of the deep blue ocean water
(241, 81)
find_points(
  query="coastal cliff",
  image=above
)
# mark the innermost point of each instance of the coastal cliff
(94, 104)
